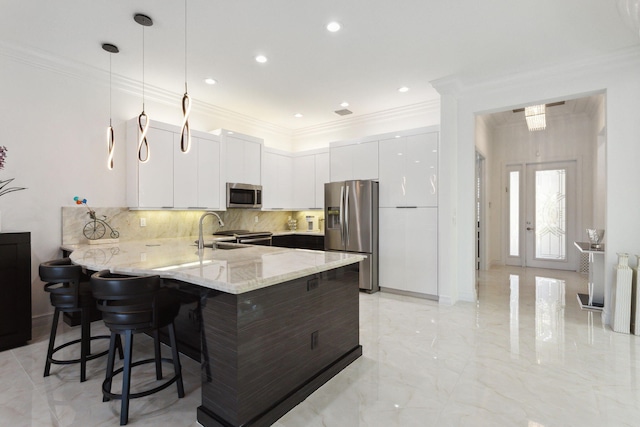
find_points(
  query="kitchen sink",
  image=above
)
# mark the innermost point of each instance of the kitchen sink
(223, 245)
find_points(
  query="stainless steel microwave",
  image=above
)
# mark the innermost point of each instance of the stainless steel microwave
(247, 196)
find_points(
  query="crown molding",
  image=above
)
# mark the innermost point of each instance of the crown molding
(399, 113)
(96, 76)
(458, 85)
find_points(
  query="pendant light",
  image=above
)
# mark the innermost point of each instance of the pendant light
(111, 142)
(143, 119)
(185, 137)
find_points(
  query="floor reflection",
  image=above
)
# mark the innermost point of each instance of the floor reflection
(550, 303)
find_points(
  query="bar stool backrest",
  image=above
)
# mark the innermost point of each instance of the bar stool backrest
(63, 279)
(127, 302)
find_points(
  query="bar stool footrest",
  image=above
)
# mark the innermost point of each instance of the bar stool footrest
(77, 341)
(108, 395)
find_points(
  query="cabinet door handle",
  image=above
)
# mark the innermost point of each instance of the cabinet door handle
(406, 207)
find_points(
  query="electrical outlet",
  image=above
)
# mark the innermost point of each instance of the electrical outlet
(143, 222)
(256, 219)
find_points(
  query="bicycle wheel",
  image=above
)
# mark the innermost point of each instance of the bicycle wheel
(94, 230)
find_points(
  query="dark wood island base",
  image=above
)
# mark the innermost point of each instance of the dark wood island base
(265, 351)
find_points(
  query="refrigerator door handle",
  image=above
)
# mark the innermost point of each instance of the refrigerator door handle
(342, 215)
(346, 214)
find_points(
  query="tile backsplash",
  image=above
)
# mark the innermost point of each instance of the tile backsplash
(169, 223)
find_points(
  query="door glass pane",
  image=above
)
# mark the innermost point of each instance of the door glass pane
(550, 219)
(514, 213)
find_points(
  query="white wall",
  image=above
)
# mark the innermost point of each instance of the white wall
(617, 74)
(490, 228)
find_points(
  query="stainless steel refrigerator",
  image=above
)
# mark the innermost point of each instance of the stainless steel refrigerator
(351, 225)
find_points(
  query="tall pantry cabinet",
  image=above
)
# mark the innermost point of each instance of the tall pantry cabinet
(408, 170)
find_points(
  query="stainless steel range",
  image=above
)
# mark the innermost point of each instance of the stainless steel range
(248, 237)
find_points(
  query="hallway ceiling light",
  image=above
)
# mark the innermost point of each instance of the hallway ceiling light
(261, 59)
(535, 116)
(333, 26)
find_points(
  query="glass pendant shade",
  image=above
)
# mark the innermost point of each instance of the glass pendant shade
(535, 116)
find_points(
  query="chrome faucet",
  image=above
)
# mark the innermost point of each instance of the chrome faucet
(200, 236)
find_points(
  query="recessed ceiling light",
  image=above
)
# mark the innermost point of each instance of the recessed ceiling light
(297, 115)
(261, 59)
(344, 104)
(333, 26)
(403, 89)
(210, 81)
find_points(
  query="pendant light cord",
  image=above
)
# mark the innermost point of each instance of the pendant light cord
(110, 84)
(143, 69)
(185, 134)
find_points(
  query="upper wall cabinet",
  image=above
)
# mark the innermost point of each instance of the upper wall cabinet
(196, 175)
(243, 157)
(354, 161)
(409, 171)
(310, 173)
(277, 188)
(171, 178)
(150, 184)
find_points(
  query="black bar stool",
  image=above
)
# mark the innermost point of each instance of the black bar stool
(132, 305)
(68, 294)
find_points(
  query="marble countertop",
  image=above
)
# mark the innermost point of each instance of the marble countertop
(233, 271)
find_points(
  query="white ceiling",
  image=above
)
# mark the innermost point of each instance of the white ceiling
(383, 45)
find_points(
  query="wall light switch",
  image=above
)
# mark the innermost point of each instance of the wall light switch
(143, 222)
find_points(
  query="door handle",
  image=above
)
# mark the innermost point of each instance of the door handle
(529, 228)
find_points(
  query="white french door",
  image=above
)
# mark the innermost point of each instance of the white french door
(541, 212)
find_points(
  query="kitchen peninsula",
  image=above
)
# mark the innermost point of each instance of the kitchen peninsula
(275, 323)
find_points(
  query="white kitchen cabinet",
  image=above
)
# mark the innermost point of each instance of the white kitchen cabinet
(171, 178)
(277, 186)
(304, 182)
(409, 170)
(310, 173)
(185, 175)
(322, 177)
(150, 184)
(408, 256)
(354, 161)
(243, 157)
(211, 187)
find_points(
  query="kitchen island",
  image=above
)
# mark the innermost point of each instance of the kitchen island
(275, 323)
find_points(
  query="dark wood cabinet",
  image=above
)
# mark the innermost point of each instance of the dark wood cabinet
(15, 288)
(299, 241)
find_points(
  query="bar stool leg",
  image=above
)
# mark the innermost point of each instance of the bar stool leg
(85, 340)
(158, 354)
(176, 359)
(114, 341)
(52, 340)
(126, 377)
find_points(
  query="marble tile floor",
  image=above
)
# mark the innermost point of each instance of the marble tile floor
(523, 355)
